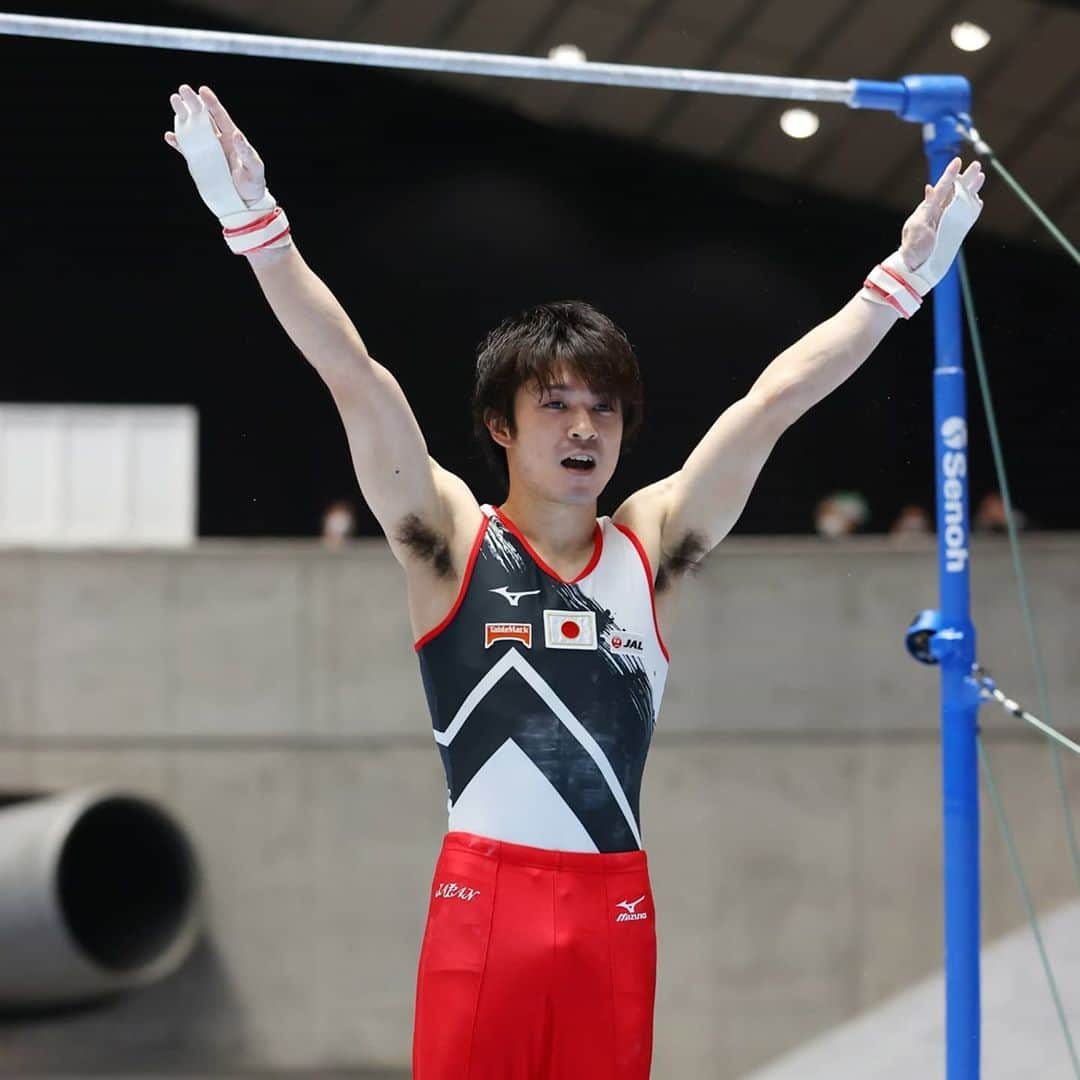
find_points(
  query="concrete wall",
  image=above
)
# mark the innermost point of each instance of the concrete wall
(269, 694)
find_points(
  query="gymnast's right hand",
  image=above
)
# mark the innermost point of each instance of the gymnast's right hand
(227, 171)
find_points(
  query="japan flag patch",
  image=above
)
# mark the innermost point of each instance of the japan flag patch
(569, 629)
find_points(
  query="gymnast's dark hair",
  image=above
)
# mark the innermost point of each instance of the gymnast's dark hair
(538, 345)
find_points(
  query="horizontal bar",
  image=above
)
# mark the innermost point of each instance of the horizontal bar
(394, 56)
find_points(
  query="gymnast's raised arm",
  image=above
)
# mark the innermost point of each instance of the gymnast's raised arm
(407, 491)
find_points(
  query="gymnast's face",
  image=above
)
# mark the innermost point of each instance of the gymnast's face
(566, 441)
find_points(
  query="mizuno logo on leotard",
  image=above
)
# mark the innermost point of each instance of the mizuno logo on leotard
(631, 914)
(513, 597)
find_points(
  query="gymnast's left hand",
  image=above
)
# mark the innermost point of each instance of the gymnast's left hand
(242, 160)
(919, 234)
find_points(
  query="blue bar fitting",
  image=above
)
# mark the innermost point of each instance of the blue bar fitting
(940, 103)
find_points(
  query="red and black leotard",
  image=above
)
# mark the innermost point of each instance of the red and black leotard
(539, 957)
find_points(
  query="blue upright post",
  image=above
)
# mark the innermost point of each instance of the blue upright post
(955, 651)
(947, 636)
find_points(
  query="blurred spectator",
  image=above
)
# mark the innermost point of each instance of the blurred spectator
(840, 514)
(990, 515)
(911, 521)
(338, 523)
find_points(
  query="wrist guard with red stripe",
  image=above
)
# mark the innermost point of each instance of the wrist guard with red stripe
(891, 283)
(261, 226)
(894, 283)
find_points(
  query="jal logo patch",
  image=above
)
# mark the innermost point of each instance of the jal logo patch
(569, 629)
(521, 632)
(626, 641)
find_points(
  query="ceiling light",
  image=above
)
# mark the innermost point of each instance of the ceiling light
(567, 54)
(969, 37)
(799, 123)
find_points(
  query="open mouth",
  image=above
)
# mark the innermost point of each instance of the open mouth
(579, 463)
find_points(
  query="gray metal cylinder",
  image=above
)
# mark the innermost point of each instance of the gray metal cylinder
(99, 892)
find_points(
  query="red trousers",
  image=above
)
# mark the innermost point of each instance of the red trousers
(536, 965)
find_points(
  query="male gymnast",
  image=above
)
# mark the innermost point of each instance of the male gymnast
(539, 627)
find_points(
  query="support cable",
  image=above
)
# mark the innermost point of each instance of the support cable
(990, 692)
(1025, 893)
(984, 150)
(1018, 566)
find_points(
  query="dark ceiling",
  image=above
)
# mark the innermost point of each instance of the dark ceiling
(1026, 81)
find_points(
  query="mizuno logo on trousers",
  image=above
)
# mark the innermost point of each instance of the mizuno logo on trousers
(631, 914)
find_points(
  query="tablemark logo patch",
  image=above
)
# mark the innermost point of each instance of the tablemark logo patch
(521, 632)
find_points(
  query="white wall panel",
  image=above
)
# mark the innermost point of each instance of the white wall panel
(97, 475)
